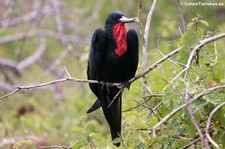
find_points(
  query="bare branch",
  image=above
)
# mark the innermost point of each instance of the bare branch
(191, 143)
(196, 97)
(192, 118)
(193, 54)
(17, 88)
(33, 58)
(181, 17)
(9, 64)
(153, 95)
(153, 66)
(208, 125)
(139, 17)
(34, 15)
(6, 87)
(146, 33)
(158, 50)
(45, 33)
(120, 85)
(57, 147)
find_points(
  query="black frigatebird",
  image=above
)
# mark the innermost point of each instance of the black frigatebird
(113, 57)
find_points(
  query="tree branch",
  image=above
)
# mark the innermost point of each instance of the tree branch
(153, 66)
(69, 78)
(192, 56)
(146, 33)
(45, 33)
(35, 57)
(192, 118)
(34, 15)
(208, 125)
(196, 97)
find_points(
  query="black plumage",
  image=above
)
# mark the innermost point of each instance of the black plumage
(113, 58)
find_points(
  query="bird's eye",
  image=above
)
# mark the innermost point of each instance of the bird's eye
(114, 17)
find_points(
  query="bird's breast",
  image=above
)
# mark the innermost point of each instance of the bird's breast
(115, 67)
(120, 37)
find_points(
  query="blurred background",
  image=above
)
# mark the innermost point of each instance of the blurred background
(39, 37)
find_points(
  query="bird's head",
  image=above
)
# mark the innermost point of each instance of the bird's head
(115, 27)
(118, 17)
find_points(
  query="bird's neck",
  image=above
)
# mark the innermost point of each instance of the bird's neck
(119, 34)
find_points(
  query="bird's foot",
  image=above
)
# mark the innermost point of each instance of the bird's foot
(125, 84)
(107, 85)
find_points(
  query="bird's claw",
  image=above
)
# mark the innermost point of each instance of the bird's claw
(124, 84)
(107, 85)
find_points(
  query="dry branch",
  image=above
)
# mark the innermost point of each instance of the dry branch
(192, 56)
(208, 125)
(34, 57)
(196, 97)
(31, 16)
(6, 64)
(146, 33)
(153, 66)
(69, 78)
(43, 33)
(192, 118)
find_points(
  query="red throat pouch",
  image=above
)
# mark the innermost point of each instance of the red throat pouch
(120, 36)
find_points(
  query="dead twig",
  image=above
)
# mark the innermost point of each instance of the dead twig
(192, 56)
(208, 125)
(196, 97)
(146, 33)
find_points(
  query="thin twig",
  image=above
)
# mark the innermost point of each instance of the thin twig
(45, 33)
(192, 118)
(120, 91)
(57, 147)
(153, 66)
(34, 57)
(149, 97)
(181, 17)
(158, 50)
(192, 56)
(17, 88)
(191, 143)
(196, 97)
(146, 33)
(208, 125)
(120, 85)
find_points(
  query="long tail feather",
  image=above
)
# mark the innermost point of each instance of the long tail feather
(115, 109)
(95, 106)
(112, 114)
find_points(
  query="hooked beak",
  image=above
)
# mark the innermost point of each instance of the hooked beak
(128, 20)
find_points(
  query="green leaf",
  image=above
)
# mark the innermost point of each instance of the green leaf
(190, 130)
(153, 121)
(223, 140)
(200, 33)
(221, 118)
(204, 22)
(190, 25)
(80, 144)
(22, 144)
(78, 129)
(195, 20)
(95, 135)
(117, 140)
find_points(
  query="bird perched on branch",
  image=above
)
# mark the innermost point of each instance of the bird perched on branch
(113, 58)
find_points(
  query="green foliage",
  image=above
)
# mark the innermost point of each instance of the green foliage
(22, 144)
(195, 22)
(80, 144)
